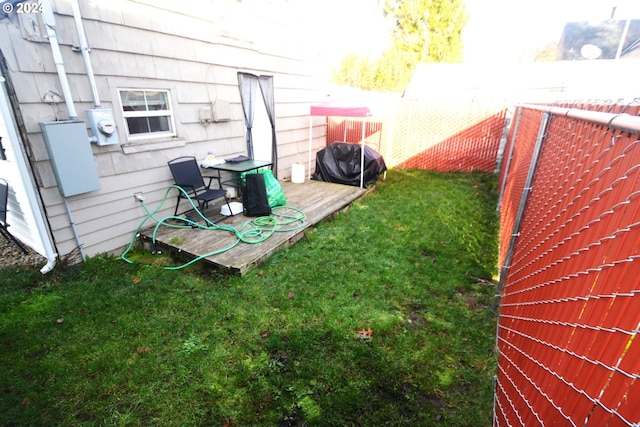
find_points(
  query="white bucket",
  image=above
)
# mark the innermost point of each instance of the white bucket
(297, 173)
(234, 208)
(231, 192)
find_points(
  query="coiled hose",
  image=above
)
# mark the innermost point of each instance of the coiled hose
(255, 231)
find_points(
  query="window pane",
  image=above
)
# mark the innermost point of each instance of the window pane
(133, 100)
(159, 124)
(147, 112)
(157, 101)
(137, 125)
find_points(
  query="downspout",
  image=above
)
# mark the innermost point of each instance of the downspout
(50, 23)
(84, 50)
(51, 263)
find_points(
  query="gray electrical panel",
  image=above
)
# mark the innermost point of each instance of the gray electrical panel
(71, 157)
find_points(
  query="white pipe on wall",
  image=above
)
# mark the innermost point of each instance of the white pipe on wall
(50, 23)
(84, 50)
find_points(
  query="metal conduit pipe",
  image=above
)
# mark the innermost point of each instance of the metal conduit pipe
(50, 23)
(84, 50)
(622, 121)
(73, 228)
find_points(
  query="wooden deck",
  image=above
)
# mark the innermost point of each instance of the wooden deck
(318, 200)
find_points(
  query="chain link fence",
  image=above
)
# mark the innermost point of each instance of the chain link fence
(442, 134)
(567, 335)
(569, 257)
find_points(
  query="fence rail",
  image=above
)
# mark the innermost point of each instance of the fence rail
(567, 334)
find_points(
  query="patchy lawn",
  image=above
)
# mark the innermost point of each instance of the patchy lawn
(378, 317)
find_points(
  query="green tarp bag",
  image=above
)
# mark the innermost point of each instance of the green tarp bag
(274, 190)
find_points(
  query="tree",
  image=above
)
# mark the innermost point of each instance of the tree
(423, 31)
(546, 53)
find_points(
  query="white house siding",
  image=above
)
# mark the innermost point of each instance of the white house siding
(196, 55)
(25, 214)
(18, 210)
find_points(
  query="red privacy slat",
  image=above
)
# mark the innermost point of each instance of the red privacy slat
(570, 296)
(441, 135)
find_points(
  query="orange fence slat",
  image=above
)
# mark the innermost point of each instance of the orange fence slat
(570, 299)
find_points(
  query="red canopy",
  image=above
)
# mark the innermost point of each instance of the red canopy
(340, 108)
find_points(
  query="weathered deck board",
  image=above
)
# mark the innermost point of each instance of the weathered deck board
(318, 200)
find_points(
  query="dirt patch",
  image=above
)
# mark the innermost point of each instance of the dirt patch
(12, 256)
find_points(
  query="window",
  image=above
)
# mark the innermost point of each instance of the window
(147, 113)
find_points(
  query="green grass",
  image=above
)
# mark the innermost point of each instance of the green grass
(111, 343)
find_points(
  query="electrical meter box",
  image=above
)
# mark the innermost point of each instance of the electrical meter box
(221, 111)
(71, 157)
(103, 127)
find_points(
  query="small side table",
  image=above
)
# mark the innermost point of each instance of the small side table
(237, 169)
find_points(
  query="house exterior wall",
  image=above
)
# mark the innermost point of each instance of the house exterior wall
(195, 54)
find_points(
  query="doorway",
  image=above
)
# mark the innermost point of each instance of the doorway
(258, 104)
(262, 149)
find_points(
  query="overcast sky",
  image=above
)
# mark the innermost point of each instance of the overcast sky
(504, 29)
(498, 30)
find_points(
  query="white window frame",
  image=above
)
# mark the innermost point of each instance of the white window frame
(148, 113)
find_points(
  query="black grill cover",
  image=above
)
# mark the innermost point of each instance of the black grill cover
(340, 163)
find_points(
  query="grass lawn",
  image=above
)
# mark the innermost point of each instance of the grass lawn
(378, 317)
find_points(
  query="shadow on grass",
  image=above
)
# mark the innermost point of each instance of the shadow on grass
(378, 317)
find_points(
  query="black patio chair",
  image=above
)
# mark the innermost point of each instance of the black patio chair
(4, 198)
(186, 174)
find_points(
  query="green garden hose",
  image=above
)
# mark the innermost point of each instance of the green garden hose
(255, 231)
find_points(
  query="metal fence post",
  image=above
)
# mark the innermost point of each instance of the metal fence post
(509, 156)
(523, 204)
(503, 141)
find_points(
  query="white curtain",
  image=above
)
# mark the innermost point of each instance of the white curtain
(248, 84)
